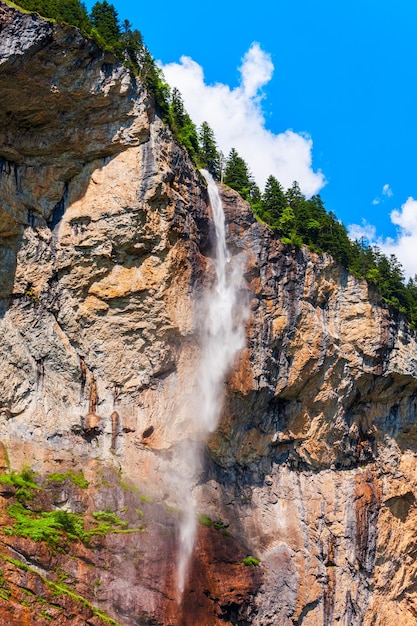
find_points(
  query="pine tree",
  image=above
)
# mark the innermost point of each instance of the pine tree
(294, 196)
(273, 202)
(182, 125)
(72, 12)
(237, 175)
(209, 155)
(106, 22)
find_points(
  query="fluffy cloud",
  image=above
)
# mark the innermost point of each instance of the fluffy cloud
(404, 245)
(362, 231)
(237, 119)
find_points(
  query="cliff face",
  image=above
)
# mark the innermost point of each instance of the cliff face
(106, 253)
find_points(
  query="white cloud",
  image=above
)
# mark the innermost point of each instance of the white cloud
(362, 231)
(256, 70)
(404, 244)
(237, 119)
(387, 191)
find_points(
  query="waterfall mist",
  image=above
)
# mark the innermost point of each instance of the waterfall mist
(222, 336)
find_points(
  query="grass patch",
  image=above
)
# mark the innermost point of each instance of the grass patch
(251, 561)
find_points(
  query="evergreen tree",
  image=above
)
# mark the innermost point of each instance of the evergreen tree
(72, 12)
(273, 202)
(182, 125)
(209, 155)
(237, 175)
(294, 196)
(106, 22)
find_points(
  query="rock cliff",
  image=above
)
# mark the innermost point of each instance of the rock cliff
(106, 253)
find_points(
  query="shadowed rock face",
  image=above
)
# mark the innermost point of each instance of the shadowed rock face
(105, 254)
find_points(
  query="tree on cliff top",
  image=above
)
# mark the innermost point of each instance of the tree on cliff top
(238, 176)
(209, 154)
(72, 12)
(182, 125)
(273, 202)
(105, 20)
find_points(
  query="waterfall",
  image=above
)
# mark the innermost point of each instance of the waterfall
(222, 336)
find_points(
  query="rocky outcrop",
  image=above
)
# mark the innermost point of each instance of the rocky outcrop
(105, 255)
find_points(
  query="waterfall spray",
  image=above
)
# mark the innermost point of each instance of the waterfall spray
(222, 336)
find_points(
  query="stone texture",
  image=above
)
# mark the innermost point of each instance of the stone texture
(106, 253)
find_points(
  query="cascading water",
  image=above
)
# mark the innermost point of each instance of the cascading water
(222, 337)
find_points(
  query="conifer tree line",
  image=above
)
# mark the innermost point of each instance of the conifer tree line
(296, 219)
(305, 221)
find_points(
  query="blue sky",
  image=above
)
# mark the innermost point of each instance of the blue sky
(328, 88)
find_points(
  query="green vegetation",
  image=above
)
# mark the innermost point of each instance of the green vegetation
(59, 527)
(238, 176)
(297, 220)
(77, 478)
(5, 592)
(59, 589)
(182, 126)
(146, 499)
(305, 221)
(49, 526)
(209, 155)
(24, 482)
(103, 25)
(251, 560)
(109, 520)
(205, 520)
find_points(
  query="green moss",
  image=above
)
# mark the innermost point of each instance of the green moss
(251, 560)
(146, 499)
(205, 520)
(77, 478)
(59, 589)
